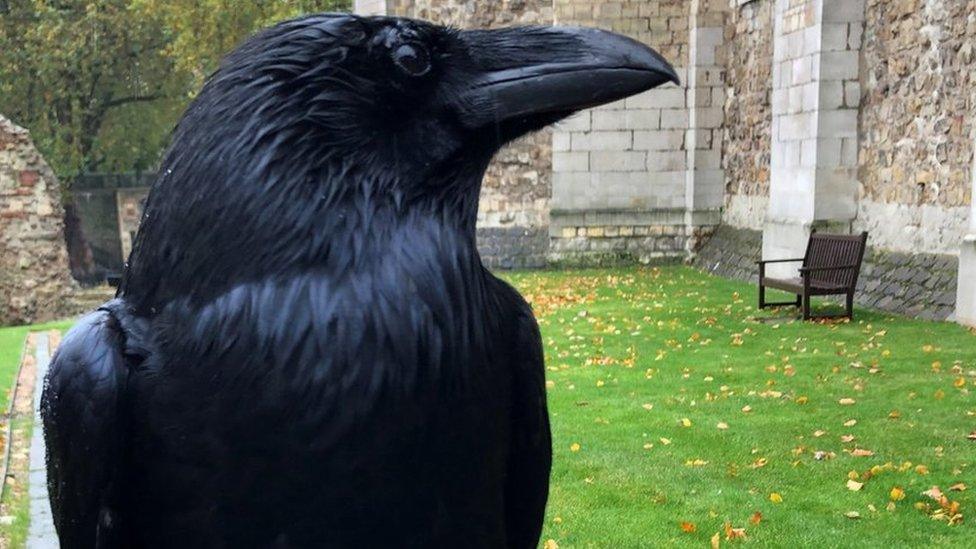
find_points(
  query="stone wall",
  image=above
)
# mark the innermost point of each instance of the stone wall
(513, 215)
(748, 113)
(620, 170)
(917, 123)
(35, 284)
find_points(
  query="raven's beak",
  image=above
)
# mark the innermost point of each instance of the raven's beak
(555, 71)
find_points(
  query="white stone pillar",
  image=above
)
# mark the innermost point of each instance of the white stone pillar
(816, 95)
(369, 7)
(705, 178)
(966, 293)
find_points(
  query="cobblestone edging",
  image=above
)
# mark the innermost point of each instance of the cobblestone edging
(918, 285)
(41, 534)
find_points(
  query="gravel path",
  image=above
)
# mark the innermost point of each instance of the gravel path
(42, 534)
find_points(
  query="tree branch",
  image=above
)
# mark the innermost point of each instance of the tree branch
(130, 99)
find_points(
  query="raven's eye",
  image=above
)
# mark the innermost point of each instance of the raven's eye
(412, 59)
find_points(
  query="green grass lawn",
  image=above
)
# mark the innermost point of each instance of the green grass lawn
(671, 403)
(675, 405)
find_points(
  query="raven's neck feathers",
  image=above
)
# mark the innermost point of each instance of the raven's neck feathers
(209, 226)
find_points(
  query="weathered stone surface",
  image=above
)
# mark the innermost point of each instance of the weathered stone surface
(35, 284)
(748, 111)
(916, 143)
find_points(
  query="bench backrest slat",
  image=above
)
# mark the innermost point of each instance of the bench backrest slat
(834, 250)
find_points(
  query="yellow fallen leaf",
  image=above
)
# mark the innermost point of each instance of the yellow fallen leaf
(861, 452)
(550, 544)
(688, 527)
(894, 414)
(722, 425)
(685, 422)
(802, 400)
(819, 433)
(922, 469)
(846, 401)
(959, 383)
(557, 519)
(716, 541)
(574, 447)
(846, 438)
(665, 441)
(600, 383)
(850, 423)
(550, 384)
(958, 487)
(896, 494)
(697, 462)
(854, 485)
(647, 406)
(747, 408)
(775, 497)
(852, 515)
(890, 507)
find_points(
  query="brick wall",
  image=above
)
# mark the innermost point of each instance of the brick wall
(34, 281)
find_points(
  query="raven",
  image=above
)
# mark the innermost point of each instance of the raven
(306, 350)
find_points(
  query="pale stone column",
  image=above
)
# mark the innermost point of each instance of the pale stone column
(705, 178)
(966, 293)
(369, 7)
(815, 103)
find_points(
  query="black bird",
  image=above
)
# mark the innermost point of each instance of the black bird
(306, 350)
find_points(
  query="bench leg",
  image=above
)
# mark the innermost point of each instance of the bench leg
(799, 301)
(762, 296)
(806, 306)
(850, 305)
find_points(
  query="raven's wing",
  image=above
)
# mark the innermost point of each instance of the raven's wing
(83, 432)
(527, 484)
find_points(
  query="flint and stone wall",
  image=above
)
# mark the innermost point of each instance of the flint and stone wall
(35, 284)
(792, 115)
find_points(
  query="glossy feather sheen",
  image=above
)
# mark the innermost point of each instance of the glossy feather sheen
(306, 350)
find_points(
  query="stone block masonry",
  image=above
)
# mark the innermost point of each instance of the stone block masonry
(35, 284)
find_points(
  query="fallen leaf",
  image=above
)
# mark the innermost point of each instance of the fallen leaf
(732, 533)
(850, 423)
(722, 425)
(861, 452)
(574, 447)
(896, 494)
(647, 406)
(716, 540)
(819, 433)
(971, 436)
(775, 497)
(854, 485)
(959, 383)
(958, 487)
(747, 408)
(688, 527)
(894, 414)
(852, 515)
(550, 544)
(934, 493)
(665, 441)
(685, 422)
(922, 469)
(756, 518)
(846, 438)
(846, 401)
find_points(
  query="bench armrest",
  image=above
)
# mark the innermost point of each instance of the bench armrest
(834, 268)
(764, 261)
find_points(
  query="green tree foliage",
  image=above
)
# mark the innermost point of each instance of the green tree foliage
(100, 83)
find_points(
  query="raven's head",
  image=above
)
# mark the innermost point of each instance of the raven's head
(315, 128)
(406, 96)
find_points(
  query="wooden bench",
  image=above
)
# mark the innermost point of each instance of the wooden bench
(830, 267)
